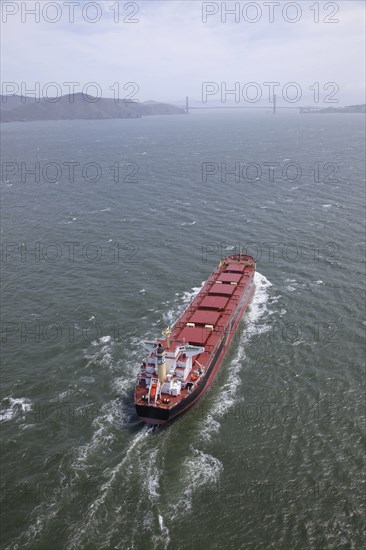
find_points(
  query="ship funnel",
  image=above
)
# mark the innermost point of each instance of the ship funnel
(167, 333)
(160, 359)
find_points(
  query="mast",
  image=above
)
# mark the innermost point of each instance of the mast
(167, 333)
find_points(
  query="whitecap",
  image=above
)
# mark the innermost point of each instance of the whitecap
(87, 379)
(64, 394)
(13, 406)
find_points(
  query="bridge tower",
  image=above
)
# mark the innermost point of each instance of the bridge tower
(187, 105)
(274, 103)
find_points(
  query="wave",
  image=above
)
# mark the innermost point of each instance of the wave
(188, 223)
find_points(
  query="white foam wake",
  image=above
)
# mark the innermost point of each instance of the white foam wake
(227, 396)
(91, 517)
(199, 470)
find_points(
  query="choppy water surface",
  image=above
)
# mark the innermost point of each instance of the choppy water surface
(94, 260)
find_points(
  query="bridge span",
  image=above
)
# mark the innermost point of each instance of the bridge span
(272, 106)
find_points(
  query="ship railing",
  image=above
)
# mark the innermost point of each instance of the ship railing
(223, 329)
(214, 348)
(205, 293)
(210, 348)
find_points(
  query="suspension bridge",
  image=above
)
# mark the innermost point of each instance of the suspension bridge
(272, 106)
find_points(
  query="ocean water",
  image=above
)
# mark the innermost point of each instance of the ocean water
(109, 228)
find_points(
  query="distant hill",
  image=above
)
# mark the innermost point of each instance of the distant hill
(349, 109)
(78, 106)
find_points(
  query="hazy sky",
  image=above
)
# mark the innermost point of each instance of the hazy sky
(170, 51)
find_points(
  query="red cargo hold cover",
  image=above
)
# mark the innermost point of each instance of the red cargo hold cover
(237, 268)
(204, 317)
(196, 336)
(230, 277)
(214, 302)
(226, 290)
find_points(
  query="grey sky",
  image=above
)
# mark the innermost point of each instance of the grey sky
(169, 51)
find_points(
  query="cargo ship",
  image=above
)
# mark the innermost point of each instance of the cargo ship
(181, 366)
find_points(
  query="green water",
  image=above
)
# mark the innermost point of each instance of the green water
(272, 456)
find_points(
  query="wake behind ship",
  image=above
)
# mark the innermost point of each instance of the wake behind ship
(181, 367)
